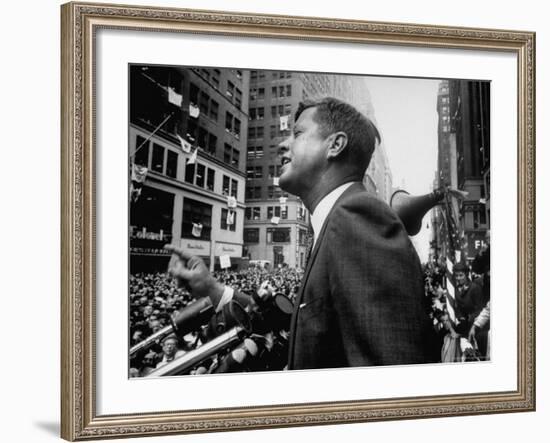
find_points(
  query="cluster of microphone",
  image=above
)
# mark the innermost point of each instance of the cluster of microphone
(232, 337)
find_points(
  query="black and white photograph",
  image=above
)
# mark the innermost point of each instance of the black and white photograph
(284, 220)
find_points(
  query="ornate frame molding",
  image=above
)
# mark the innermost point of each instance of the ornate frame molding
(79, 23)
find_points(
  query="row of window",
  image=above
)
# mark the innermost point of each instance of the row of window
(257, 132)
(165, 161)
(276, 92)
(234, 94)
(276, 111)
(253, 172)
(260, 75)
(255, 213)
(208, 106)
(196, 212)
(255, 192)
(273, 235)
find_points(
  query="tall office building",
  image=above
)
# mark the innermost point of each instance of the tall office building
(188, 129)
(464, 163)
(276, 224)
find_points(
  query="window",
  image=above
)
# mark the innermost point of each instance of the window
(212, 142)
(253, 192)
(203, 105)
(196, 212)
(274, 171)
(214, 107)
(235, 158)
(230, 89)
(254, 172)
(210, 179)
(302, 237)
(255, 132)
(237, 128)
(288, 90)
(190, 172)
(226, 185)
(141, 151)
(273, 211)
(216, 78)
(253, 75)
(301, 213)
(191, 129)
(228, 122)
(231, 155)
(278, 235)
(234, 188)
(223, 221)
(227, 153)
(158, 158)
(256, 114)
(203, 134)
(193, 94)
(200, 176)
(238, 98)
(172, 164)
(253, 213)
(252, 235)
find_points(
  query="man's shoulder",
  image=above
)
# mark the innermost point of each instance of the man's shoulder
(357, 200)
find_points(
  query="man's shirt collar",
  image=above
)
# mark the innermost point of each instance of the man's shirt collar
(320, 214)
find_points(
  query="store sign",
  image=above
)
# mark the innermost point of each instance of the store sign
(475, 240)
(144, 234)
(196, 247)
(228, 249)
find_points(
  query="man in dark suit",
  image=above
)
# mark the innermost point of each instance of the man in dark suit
(361, 299)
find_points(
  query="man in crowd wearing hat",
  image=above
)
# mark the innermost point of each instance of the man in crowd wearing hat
(361, 298)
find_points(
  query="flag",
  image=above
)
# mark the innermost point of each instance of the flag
(134, 193)
(450, 295)
(276, 181)
(192, 160)
(197, 229)
(275, 220)
(231, 201)
(139, 173)
(283, 122)
(185, 145)
(230, 219)
(458, 255)
(483, 201)
(194, 110)
(174, 97)
(282, 200)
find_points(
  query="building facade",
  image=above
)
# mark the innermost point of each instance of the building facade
(188, 127)
(464, 163)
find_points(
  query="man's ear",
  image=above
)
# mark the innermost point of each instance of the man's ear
(337, 144)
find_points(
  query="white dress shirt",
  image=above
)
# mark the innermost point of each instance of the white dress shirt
(322, 210)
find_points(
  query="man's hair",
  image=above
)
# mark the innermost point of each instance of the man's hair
(333, 115)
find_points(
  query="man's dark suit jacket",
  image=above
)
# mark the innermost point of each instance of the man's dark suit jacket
(361, 302)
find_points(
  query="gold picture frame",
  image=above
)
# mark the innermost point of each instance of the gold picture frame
(80, 21)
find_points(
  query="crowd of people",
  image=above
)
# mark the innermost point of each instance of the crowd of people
(154, 297)
(462, 319)
(461, 322)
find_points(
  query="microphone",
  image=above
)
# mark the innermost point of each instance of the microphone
(233, 362)
(188, 319)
